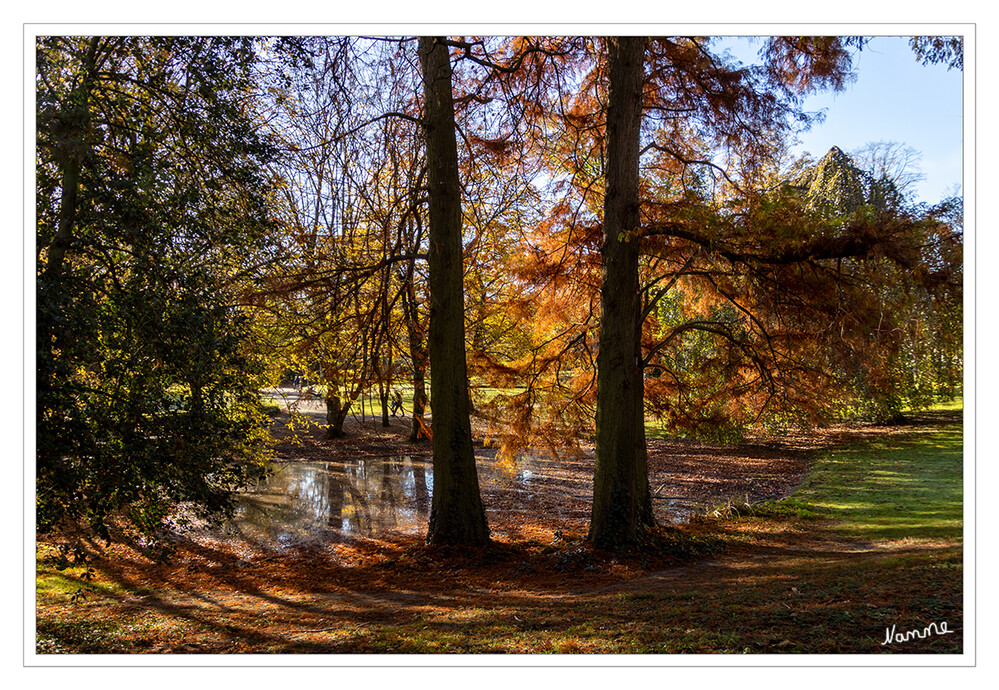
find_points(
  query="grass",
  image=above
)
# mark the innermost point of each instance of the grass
(954, 405)
(909, 488)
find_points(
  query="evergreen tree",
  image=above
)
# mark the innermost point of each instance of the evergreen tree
(150, 216)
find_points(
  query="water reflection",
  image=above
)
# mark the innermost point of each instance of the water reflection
(366, 497)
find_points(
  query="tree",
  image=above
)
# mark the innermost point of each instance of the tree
(700, 101)
(729, 292)
(319, 302)
(457, 515)
(706, 110)
(151, 223)
(622, 504)
(352, 194)
(918, 287)
(891, 162)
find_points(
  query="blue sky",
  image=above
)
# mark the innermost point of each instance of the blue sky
(894, 98)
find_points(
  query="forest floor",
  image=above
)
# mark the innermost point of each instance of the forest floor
(869, 538)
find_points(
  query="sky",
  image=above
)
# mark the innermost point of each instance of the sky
(894, 98)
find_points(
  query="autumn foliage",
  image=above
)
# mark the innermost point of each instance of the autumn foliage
(763, 291)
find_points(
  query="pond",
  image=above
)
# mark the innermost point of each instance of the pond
(302, 502)
(307, 504)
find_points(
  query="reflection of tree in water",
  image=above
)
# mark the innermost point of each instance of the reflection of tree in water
(292, 500)
(422, 495)
(389, 496)
(357, 509)
(334, 500)
(389, 488)
(365, 497)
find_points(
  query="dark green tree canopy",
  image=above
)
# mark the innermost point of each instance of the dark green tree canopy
(151, 212)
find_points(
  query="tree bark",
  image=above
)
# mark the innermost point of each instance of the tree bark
(336, 414)
(417, 354)
(457, 515)
(385, 374)
(622, 505)
(71, 160)
(418, 430)
(383, 399)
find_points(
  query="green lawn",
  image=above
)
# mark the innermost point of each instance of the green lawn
(893, 489)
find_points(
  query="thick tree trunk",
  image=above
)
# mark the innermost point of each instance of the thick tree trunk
(336, 414)
(622, 505)
(456, 515)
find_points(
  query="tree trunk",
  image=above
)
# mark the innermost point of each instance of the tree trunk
(417, 354)
(622, 505)
(418, 431)
(67, 218)
(385, 377)
(51, 296)
(383, 399)
(456, 515)
(70, 158)
(336, 414)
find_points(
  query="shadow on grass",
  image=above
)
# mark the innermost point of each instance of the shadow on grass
(794, 595)
(792, 585)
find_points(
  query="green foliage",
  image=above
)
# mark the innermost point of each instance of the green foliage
(150, 213)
